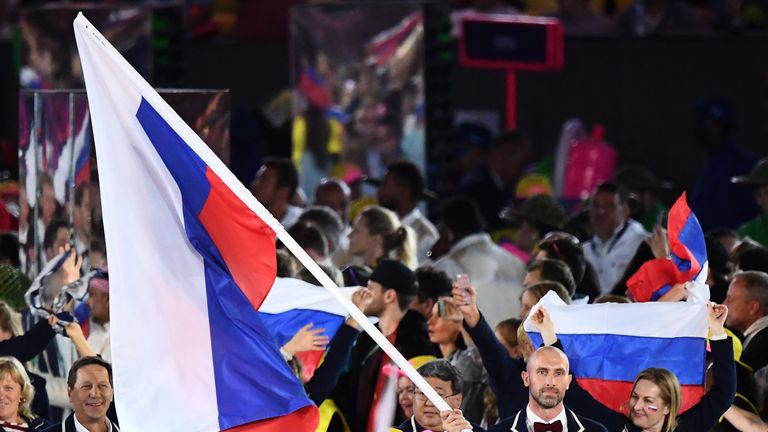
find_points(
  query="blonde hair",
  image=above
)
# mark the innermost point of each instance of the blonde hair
(11, 367)
(399, 241)
(669, 390)
(10, 320)
(524, 342)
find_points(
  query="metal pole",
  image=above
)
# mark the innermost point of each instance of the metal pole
(37, 151)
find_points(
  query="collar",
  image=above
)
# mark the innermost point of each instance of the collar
(532, 418)
(579, 427)
(411, 217)
(616, 234)
(81, 428)
(417, 427)
(756, 326)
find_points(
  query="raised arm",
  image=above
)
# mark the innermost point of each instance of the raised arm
(503, 371)
(719, 398)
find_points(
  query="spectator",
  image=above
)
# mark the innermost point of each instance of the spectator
(728, 237)
(405, 386)
(360, 390)
(401, 189)
(90, 390)
(535, 217)
(377, 233)
(753, 259)
(496, 274)
(550, 270)
(328, 222)
(445, 331)
(312, 240)
(616, 236)
(18, 392)
(747, 302)
(274, 187)
(98, 303)
(642, 182)
(506, 333)
(56, 237)
(491, 185)
(335, 194)
(431, 285)
(82, 218)
(757, 228)
(447, 381)
(533, 293)
(715, 134)
(566, 248)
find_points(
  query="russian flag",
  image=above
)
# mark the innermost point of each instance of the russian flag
(689, 257)
(608, 344)
(192, 257)
(291, 304)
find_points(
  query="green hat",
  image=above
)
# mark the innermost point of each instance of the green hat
(542, 209)
(638, 177)
(758, 176)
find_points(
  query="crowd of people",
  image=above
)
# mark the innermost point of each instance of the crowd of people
(451, 296)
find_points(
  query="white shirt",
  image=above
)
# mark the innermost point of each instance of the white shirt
(81, 428)
(610, 258)
(760, 324)
(532, 418)
(426, 233)
(99, 340)
(496, 274)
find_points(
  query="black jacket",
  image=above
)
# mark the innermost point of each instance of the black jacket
(575, 423)
(756, 353)
(356, 387)
(68, 425)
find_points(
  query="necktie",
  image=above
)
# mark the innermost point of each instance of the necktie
(548, 427)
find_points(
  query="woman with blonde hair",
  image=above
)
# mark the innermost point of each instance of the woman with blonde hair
(655, 400)
(377, 233)
(16, 393)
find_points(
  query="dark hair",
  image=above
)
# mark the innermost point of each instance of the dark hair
(86, 361)
(285, 265)
(568, 251)
(287, 176)
(462, 217)
(331, 271)
(407, 174)
(540, 289)
(755, 259)
(327, 221)
(717, 255)
(613, 188)
(51, 230)
(554, 270)
(97, 245)
(443, 370)
(9, 249)
(309, 236)
(356, 275)
(756, 287)
(432, 283)
(80, 192)
(613, 298)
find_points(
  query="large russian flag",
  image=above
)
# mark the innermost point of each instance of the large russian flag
(192, 257)
(688, 261)
(609, 344)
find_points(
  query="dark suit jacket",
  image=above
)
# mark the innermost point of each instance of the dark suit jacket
(68, 425)
(575, 423)
(756, 353)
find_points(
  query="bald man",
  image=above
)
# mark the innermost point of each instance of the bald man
(547, 379)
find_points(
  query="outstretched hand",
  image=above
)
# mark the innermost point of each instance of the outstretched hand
(307, 339)
(70, 269)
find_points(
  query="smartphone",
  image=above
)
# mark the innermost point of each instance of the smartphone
(462, 281)
(441, 312)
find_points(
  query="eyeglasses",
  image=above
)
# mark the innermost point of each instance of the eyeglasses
(418, 395)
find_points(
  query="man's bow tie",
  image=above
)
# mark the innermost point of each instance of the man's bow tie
(548, 427)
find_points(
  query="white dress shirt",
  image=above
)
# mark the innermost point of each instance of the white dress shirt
(610, 258)
(532, 418)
